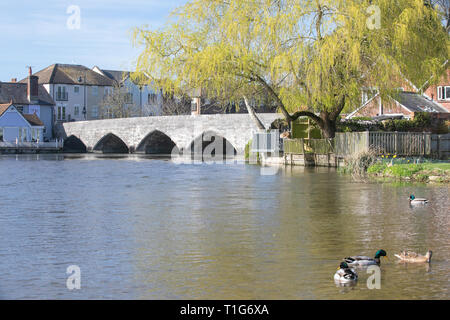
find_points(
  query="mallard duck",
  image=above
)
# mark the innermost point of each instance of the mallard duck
(364, 260)
(410, 256)
(414, 200)
(345, 274)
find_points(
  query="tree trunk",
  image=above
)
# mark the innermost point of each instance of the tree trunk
(253, 115)
(328, 125)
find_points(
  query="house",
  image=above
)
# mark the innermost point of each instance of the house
(31, 100)
(146, 100)
(440, 92)
(77, 90)
(404, 104)
(16, 127)
(407, 100)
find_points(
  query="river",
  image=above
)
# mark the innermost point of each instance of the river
(141, 228)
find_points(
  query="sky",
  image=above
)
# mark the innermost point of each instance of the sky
(41, 33)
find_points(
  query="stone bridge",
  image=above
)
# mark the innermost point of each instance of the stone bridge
(159, 135)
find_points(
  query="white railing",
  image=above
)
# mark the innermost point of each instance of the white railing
(57, 144)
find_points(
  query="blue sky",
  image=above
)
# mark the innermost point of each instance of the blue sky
(35, 32)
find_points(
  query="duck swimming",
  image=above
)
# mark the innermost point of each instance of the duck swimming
(345, 274)
(410, 256)
(414, 200)
(364, 260)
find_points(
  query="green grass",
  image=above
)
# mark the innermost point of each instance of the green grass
(439, 165)
(418, 172)
(403, 170)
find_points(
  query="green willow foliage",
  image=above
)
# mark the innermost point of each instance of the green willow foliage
(312, 56)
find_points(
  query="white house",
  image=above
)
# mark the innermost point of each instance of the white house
(147, 99)
(77, 91)
(18, 127)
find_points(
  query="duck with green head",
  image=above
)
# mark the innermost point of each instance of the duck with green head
(414, 200)
(364, 260)
(345, 274)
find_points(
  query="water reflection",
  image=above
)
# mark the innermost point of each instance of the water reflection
(151, 229)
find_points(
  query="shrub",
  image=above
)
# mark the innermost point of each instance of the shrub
(358, 163)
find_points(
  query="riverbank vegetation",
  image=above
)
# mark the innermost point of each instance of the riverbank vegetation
(420, 172)
(390, 167)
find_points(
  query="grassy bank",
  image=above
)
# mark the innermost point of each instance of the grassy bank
(421, 172)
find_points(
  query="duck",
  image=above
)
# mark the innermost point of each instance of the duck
(410, 256)
(345, 274)
(414, 200)
(364, 260)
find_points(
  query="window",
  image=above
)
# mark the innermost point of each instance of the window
(76, 110)
(152, 98)
(108, 112)
(1, 134)
(61, 113)
(443, 93)
(76, 89)
(107, 91)
(95, 91)
(129, 97)
(62, 94)
(94, 112)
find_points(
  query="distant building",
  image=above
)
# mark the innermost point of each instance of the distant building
(76, 89)
(146, 100)
(17, 127)
(32, 101)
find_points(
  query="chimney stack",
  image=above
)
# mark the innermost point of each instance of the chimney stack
(14, 80)
(32, 86)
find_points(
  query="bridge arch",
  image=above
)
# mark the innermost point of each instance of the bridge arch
(73, 144)
(110, 143)
(210, 144)
(157, 142)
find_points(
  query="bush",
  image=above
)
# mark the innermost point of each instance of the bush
(358, 163)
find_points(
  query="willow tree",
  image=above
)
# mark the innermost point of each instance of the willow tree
(311, 56)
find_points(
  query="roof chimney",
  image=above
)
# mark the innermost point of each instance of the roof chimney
(14, 80)
(32, 86)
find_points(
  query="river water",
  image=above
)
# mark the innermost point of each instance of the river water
(141, 228)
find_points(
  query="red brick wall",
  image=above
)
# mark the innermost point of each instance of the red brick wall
(432, 90)
(372, 109)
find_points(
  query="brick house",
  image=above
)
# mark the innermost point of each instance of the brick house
(440, 92)
(406, 101)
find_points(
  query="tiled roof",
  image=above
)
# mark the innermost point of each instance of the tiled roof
(33, 119)
(71, 74)
(4, 107)
(116, 75)
(17, 93)
(417, 103)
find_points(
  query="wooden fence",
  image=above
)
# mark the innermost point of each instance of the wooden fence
(394, 143)
(302, 146)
